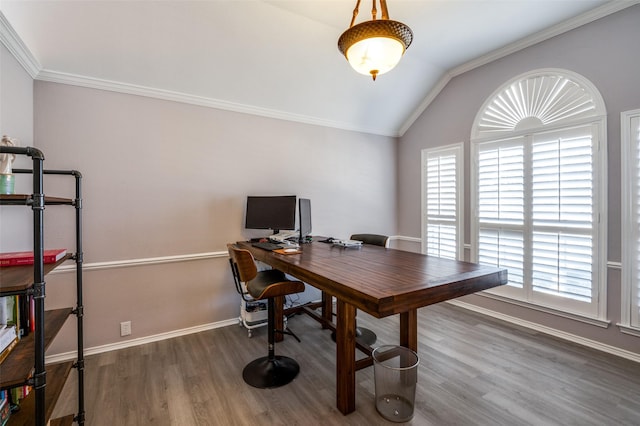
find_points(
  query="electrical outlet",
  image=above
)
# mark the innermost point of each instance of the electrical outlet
(125, 328)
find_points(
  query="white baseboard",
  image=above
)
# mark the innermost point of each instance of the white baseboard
(66, 356)
(551, 331)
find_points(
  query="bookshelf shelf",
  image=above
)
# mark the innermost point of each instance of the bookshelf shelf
(56, 378)
(17, 279)
(25, 365)
(27, 200)
(19, 363)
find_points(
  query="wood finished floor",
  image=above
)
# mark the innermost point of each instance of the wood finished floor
(473, 370)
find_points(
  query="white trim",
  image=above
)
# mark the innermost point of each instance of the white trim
(167, 95)
(596, 119)
(563, 27)
(633, 331)
(405, 238)
(632, 356)
(65, 356)
(433, 93)
(598, 322)
(211, 255)
(16, 46)
(140, 262)
(628, 324)
(18, 49)
(457, 150)
(614, 265)
(590, 91)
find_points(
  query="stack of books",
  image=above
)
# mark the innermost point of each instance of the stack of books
(8, 339)
(18, 258)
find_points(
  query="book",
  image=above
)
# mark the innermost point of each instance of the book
(24, 313)
(5, 353)
(18, 258)
(6, 309)
(5, 411)
(10, 311)
(7, 336)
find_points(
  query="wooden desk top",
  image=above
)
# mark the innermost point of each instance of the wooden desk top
(382, 281)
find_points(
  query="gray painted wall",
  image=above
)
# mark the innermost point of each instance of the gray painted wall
(16, 121)
(606, 53)
(169, 179)
(164, 178)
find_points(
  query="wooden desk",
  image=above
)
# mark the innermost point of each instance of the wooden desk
(381, 282)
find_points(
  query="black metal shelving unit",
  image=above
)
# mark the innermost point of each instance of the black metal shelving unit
(29, 281)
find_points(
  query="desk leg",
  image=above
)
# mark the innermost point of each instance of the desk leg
(278, 322)
(327, 308)
(409, 329)
(346, 357)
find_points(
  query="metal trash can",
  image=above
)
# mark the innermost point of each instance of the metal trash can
(395, 375)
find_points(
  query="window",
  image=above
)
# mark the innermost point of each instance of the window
(630, 126)
(538, 192)
(442, 202)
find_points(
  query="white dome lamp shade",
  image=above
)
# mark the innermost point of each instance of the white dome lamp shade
(375, 47)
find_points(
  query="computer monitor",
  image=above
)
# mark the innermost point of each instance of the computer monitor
(305, 218)
(271, 212)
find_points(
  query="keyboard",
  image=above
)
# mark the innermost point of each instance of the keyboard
(268, 246)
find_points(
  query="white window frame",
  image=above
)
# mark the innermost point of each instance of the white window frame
(630, 299)
(594, 312)
(456, 150)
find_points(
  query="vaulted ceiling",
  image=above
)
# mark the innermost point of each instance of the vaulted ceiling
(276, 58)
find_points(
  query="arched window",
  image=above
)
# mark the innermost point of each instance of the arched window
(630, 144)
(538, 191)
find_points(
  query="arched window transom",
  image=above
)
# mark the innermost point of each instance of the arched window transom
(535, 100)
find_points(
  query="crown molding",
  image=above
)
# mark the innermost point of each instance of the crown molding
(150, 92)
(18, 49)
(23, 55)
(566, 26)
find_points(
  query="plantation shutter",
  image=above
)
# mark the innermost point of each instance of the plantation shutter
(442, 205)
(540, 192)
(535, 214)
(635, 215)
(500, 212)
(562, 213)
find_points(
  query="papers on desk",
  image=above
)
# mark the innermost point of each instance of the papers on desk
(347, 243)
(288, 250)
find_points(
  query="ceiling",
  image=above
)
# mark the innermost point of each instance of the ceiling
(277, 58)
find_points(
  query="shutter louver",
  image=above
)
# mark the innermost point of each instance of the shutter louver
(501, 185)
(635, 290)
(540, 190)
(441, 196)
(504, 249)
(562, 213)
(501, 209)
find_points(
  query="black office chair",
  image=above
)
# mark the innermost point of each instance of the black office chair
(373, 239)
(364, 334)
(273, 370)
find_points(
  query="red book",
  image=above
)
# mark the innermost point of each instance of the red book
(26, 257)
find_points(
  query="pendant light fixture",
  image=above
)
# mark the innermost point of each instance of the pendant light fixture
(375, 47)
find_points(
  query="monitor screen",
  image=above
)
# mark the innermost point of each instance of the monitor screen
(305, 217)
(276, 213)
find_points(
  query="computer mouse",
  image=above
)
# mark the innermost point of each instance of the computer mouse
(290, 250)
